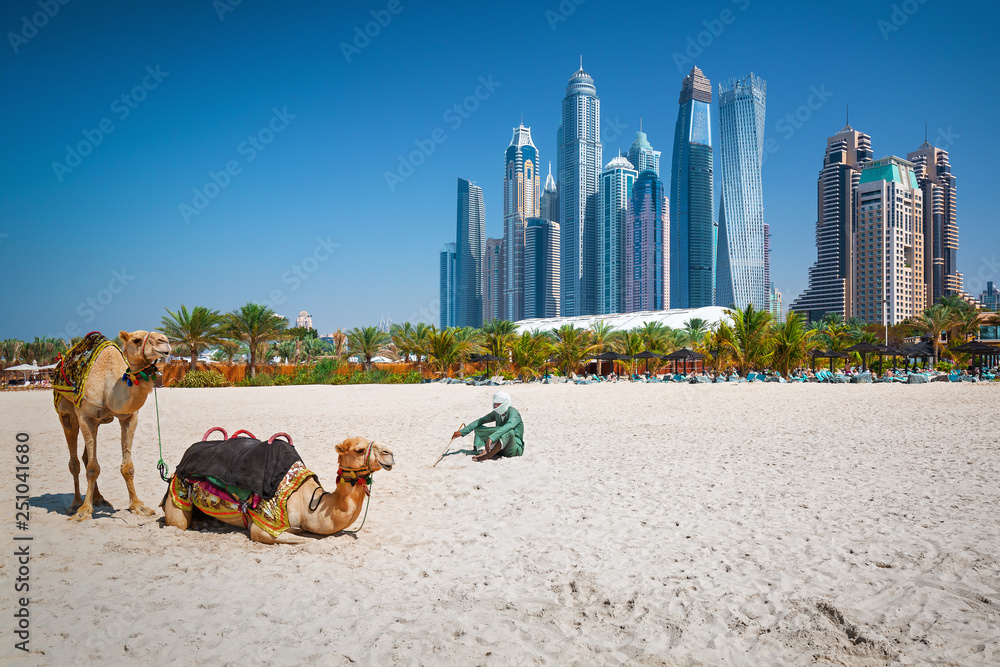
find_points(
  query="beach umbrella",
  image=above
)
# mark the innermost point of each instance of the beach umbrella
(977, 348)
(864, 348)
(476, 358)
(647, 355)
(23, 368)
(684, 354)
(608, 356)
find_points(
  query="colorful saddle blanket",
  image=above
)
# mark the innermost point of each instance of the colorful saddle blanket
(244, 466)
(271, 515)
(74, 367)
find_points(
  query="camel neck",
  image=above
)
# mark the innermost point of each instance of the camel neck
(335, 510)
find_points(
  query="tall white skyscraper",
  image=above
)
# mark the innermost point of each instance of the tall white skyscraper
(741, 278)
(579, 171)
(550, 198)
(612, 209)
(521, 194)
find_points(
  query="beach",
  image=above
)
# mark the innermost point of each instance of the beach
(645, 524)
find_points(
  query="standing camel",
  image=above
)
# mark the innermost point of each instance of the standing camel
(113, 383)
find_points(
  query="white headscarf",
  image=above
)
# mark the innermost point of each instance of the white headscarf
(503, 398)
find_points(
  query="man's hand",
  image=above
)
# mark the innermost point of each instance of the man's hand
(456, 434)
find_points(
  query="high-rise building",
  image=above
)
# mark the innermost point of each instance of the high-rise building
(448, 286)
(888, 248)
(990, 297)
(692, 232)
(641, 153)
(830, 288)
(767, 261)
(492, 280)
(775, 307)
(549, 205)
(647, 251)
(940, 221)
(579, 164)
(541, 268)
(470, 244)
(520, 201)
(612, 209)
(740, 273)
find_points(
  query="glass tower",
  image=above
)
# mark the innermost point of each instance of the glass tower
(647, 275)
(693, 233)
(612, 208)
(550, 199)
(520, 202)
(447, 288)
(541, 268)
(470, 246)
(492, 278)
(641, 153)
(741, 277)
(940, 221)
(579, 165)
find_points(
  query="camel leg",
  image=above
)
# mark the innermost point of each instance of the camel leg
(71, 429)
(99, 500)
(128, 425)
(258, 534)
(88, 426)
(175, 516)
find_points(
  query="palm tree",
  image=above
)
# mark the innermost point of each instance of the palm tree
(43, 351)
(791, 344)
(195, 331)
(339, 343)
(572, 347)
(749, 344)
(965, 323)
(694, 332)
(421, 336)
(530, 353)
(718, 344)
(932, 322)
(288, 351)
(255, 325)
(468, 340)
(443, 348)
(367, 342)
(314, 347)
(12, 351)
(402, 338)
(632, 343)
(498, 337)
(604, 336)
(655, 336)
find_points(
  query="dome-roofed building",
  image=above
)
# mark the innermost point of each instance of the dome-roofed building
(304, 320)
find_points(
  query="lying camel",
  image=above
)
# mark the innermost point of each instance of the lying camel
(309, 508)
(117, 385)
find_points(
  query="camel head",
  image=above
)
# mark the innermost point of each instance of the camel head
(141, 348)
(358, 454)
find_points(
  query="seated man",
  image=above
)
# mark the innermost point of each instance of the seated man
(504, 439)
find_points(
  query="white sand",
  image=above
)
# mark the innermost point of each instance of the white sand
(706, 524)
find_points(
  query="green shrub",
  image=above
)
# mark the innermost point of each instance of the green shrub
(194, 379)
(943, 366)
(266, 380)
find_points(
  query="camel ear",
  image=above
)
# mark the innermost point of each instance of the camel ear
(124, 335)
(343, 447)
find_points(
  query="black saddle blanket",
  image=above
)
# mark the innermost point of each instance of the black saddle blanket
(250, 464)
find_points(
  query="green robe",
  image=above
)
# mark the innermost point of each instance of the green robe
(509, 431)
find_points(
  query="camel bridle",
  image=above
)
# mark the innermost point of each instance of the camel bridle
(361, 474)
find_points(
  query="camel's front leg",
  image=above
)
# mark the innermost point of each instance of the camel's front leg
(128, 424)
(88, 427)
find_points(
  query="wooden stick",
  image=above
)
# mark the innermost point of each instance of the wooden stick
(446, 450)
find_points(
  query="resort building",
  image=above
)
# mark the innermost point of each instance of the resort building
(579, 165)
(675, 319)
(549, 206)
(888, 250)
(521, 194)
(641, 153)
(647, 252)
(612, 209)
(541, 268)
(470, 245)
(830, 288)
(741, 273)
(990, 297)
(692, 232)
(447, 288)
(304, 320)
(940, 224)
(492, 280)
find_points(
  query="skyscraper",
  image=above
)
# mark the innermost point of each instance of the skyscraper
(830, 287)
(641, 153)
(470, 244)
(647, 248)
(492, 277)
(541, 268)
(940, 221)
(579, 166)
(613, 195)
(888, 252)
(447, 287)
(692, 232)
(740, 274)
(520, 201)
(549, 206)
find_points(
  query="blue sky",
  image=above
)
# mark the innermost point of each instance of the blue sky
(247, 160)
